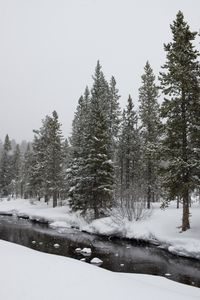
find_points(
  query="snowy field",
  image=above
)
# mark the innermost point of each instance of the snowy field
(31, 275)
(162, 227)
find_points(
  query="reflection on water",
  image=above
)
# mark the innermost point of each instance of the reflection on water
(117, 255)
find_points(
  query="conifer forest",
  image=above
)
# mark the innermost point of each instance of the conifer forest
(119, 159)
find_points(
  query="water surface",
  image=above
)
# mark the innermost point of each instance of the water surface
(117, 255)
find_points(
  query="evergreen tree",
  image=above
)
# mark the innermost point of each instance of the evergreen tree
(38, 182)
(180, 85)
(150, 125)
(46, 175)
(99, 170)
(16, 165)
(114, 115)
(78, 152)
(54, 158)
(5, 168)
(114, 119)
(65, 168)
(27, 167)
(92, 170)
(1, 149)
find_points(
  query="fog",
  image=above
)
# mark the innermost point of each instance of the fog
(49, 49)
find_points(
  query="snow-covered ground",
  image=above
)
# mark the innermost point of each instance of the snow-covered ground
(30, 275)
(162, 227)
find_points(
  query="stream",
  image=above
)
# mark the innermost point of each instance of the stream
(118, 255)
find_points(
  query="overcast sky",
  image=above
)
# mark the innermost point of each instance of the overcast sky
(49, 49)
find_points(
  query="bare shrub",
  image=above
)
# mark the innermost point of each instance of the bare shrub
(131, 206)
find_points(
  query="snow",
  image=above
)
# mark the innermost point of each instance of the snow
(161, 227)
(78, 250)
(40, 211)
(96, 261)
(59, 224)
(83, 259)
(29, 274)
(86, 251)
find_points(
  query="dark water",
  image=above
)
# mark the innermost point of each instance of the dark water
(117, 255)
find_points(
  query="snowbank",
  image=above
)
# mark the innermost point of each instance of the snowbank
(41, 212)
(28, 274)
(162, 227)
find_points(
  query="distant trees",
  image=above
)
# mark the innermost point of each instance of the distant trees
(16, 165)
(129, 179)
(5, 168)
(39, 171)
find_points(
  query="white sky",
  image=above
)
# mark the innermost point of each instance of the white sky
(49, 49)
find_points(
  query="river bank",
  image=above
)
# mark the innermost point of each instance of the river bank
(29, 274)
(161, 227)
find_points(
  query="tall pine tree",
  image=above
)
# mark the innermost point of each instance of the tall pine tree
(92, 174)
(114, 116)
(180, 85)
(150, 128)
(76, 175)
(99, 165)
(54, 158)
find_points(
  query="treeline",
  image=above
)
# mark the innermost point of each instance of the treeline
(118, 160)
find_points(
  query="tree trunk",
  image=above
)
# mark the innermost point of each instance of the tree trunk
(96, 211)
(46, 198)
(21, 190)
(149, 184)
(121, 182)
(177, 203)
(149, 197)
(185, 218)
(54, 199)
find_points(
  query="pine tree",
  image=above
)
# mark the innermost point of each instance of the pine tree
(78, 151)
(5, 168)
(27, 167)
(92, 170)
(1, 149)
(66, 149)
(54, 158)
(46, 175)
(180, 85)
(150, 127)
(16, 165)
(100, 172)
(38, 181)
(114, 115)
